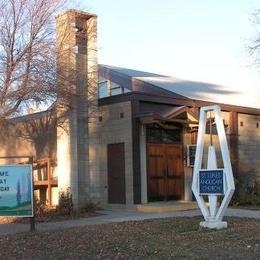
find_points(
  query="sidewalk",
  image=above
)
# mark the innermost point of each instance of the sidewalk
(110, 216)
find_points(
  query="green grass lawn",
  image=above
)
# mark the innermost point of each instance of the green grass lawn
(150, 239)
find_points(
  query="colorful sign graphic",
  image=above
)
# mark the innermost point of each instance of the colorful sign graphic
(16, 189)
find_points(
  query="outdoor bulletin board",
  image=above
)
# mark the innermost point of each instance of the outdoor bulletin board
(191, 151)
(16, 191)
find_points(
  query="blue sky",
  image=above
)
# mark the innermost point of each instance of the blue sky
(203, 40)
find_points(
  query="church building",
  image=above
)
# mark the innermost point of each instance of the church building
(132, 138)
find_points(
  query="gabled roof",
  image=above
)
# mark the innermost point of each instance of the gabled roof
(180, 114)
(194, 90)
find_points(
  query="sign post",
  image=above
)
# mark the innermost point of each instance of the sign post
(191, 151)
(212, 182)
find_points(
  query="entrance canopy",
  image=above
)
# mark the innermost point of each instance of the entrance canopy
(179, 114)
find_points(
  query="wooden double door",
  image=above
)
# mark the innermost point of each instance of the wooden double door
(165, 172)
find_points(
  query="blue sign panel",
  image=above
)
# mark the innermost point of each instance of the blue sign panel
(16, 198)
(211, 182)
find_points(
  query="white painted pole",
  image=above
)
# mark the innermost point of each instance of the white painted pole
(197, 165)
(212, 164)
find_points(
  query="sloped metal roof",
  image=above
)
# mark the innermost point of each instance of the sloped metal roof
(230, 95)
(130, 72)
(207, 92)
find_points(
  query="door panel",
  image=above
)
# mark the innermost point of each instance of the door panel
(165, 172)
(175, 171)
(156, 172)
(116, 173)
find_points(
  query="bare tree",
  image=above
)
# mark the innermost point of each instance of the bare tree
(29, 73)
(27, 54)
(39, 129)
(254, 48)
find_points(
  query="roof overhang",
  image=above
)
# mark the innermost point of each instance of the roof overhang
(180, 114)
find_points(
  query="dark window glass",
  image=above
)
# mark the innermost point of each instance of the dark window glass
(156, 134)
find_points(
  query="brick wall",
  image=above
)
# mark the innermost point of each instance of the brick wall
(27, 138)
(112, 129)
(249, 148)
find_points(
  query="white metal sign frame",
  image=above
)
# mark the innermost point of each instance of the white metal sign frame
(213, 215)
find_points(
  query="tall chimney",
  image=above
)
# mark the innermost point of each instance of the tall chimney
(77, 80)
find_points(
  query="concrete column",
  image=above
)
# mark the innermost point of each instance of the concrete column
(77, 80)
(188, 171)
(143, 164)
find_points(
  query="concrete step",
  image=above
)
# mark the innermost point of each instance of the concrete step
(171, 206)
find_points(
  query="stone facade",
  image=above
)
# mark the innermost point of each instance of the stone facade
(13, 145)
(115, 126)
(31, 135)
(249, 149)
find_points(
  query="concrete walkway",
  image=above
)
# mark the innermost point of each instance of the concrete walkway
(111, 216)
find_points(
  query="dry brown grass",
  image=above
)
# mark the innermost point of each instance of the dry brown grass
(149, 239)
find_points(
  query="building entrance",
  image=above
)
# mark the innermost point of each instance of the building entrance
(165, 169)
(165, 172)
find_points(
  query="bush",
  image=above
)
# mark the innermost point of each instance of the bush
(65, 206)
(90, 207)
(40, 208)
(249, 197)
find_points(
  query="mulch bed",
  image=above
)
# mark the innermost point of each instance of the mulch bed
(150, 239)
(49, 217)
(247, 207)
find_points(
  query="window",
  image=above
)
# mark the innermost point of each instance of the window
(115, 89)
(108, 88)
(156, 134)
(103, 89)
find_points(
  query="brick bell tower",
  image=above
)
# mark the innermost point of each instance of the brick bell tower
(77, 78)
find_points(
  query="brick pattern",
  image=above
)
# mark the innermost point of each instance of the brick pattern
(13, 145)
(112, 129)
(249, 148)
